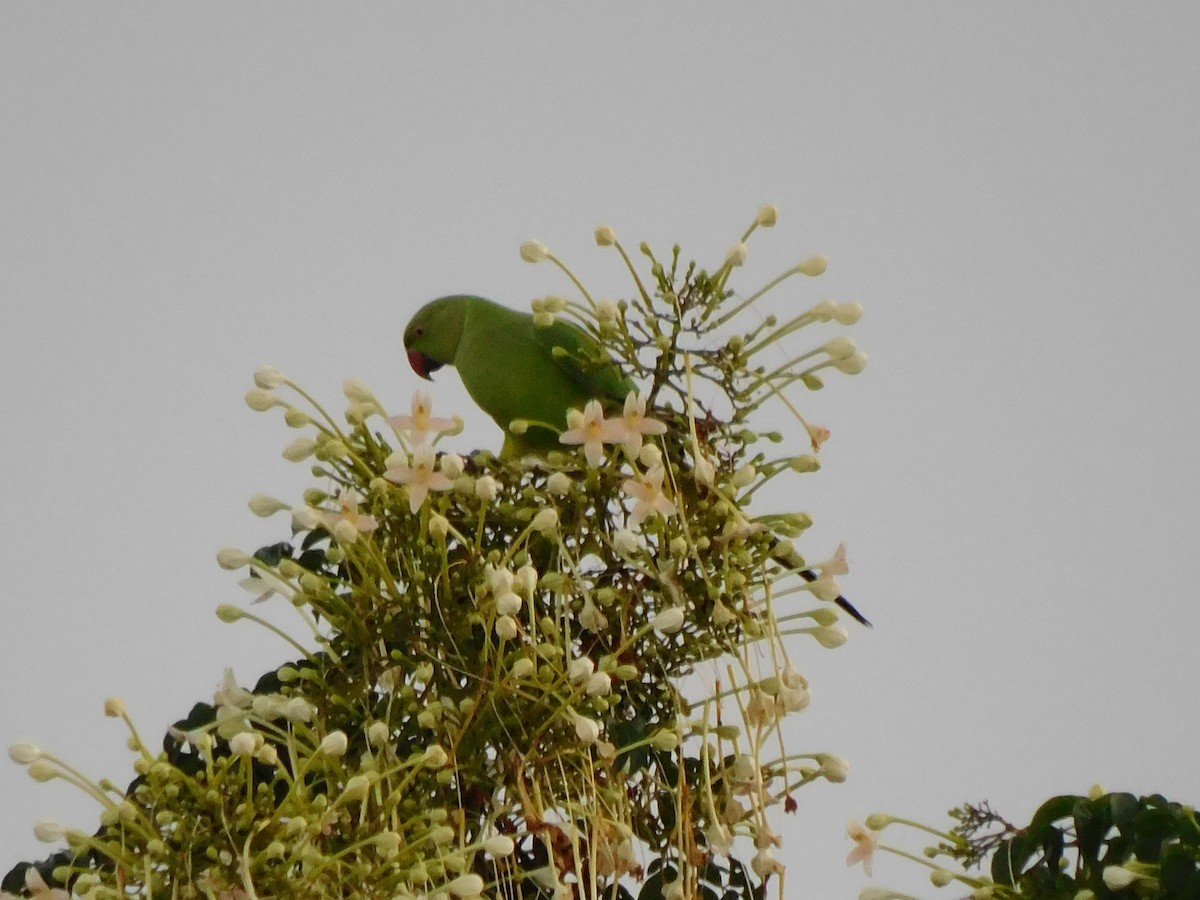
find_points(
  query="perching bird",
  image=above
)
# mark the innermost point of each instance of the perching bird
(516, 370)
(513, 369)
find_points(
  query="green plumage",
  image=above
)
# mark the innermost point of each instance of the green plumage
(512, 368)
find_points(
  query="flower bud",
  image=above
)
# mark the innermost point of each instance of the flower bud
(42, 770)
(452, 465)
(48, 831)
(242, 744)
(23, 753)
(736, 255)
(668, 621)
(559, 483)
(580, 669)
(356, 788)
(230, 558)
(268, 377)
(840, 347)
(852, 364)
(356, 391)
(599, 685)
(833, 768)
(114, 708)
(506, 628)
(768, 215)
(588, 730)
(664, 739)
(260, 400)
(485, 488)
(813, 266)
(522, 669)
(508, 604)
(299, 449)
(831, 637)
(546, 521)
(435, 757)
(439, 525)
(466, 886)
(534, 251)
(499, 846)
(848, 313)
(334, 744)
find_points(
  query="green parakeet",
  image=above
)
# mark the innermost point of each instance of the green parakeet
(516, 370)
(513, 368)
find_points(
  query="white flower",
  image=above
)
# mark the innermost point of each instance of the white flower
(347, 523)
(591, 429)
(736, 255)
(865, 842)
(647, 491)
(421, 422)
(633, 424)
(605, 236)
(263, 584)
(419, 476)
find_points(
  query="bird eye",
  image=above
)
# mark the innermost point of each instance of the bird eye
(418, 332)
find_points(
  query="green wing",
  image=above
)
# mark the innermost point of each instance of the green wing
(583, 361)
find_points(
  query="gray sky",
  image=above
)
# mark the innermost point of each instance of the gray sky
(1011, 192)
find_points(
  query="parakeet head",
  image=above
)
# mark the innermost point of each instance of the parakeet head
(432, 336)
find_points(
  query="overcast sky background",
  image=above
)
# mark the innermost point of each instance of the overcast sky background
(1010, 191)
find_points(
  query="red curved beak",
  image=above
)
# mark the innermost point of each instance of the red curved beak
(419, 363)
(422, 364)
